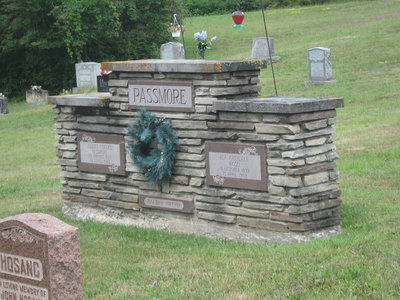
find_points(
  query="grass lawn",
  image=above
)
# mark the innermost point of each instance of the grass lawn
(362, 262)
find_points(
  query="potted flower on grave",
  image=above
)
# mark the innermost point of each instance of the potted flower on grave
(202, 43)
(175, 30)
(102, 80)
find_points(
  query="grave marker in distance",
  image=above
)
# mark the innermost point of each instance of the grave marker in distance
(39, 258)
(319, 66)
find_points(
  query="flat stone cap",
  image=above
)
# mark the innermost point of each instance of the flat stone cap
(280, 105)
(89, 100)
(184, 65)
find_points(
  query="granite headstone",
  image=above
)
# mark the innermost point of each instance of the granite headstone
(86, 74)
(39, 258)
(319, 66)
(172, 50)
(36, 95)
(260, 47)
(3, 104)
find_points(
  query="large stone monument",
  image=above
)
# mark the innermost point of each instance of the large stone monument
(86, 75)
(3, 104)
(39, 259)
(319, 66)
(247, 167)
(260, 49)
(172, 50)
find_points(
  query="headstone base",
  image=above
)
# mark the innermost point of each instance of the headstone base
(174, 222)
(324, 82)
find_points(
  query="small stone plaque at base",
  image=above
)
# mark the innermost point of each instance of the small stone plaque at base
(322, 82)
(166, 203)
(240, 166)
(39, 258)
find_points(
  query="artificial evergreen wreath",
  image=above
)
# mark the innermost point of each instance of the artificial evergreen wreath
(153, 146)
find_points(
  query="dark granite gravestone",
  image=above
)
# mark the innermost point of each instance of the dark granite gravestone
(39, 259)
(3, 104)
(102, 83)
(236, 165)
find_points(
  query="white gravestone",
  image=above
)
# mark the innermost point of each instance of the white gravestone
(86, 74)
(172, 50)
(260, 49)
(319, 66)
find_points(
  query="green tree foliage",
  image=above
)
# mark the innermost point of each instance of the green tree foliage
(41, 40)
(32, 51)
(207, 7)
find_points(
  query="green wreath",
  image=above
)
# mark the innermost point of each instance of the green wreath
(153, 146)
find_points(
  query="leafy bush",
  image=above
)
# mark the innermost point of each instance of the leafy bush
(41, 40)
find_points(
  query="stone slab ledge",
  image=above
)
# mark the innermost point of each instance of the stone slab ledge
(85, 100)
(184, 65)
(280, 105)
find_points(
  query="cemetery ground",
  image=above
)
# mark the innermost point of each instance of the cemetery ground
(361, 262)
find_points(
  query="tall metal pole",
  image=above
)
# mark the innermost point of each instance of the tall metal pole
(183, 38)
(269, 49)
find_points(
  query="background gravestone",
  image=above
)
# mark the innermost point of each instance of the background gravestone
(39, 258)
(260, 50)
(319, 66)
(86, 74)
(36, 95)
(3, 104)
(172, 50)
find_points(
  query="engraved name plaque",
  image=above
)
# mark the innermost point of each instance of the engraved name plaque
(101, 153)
(32, 249)
(240, 166)
(166, 203)
(161, 95)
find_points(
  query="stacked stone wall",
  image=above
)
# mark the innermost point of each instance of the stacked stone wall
(302, 192)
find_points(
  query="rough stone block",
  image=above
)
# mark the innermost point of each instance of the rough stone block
(311, 169)
(262, 223)
(277, 129)
(285, 181)
(231, 125)
(216, 217)
(316, 178)
(314, 125)
(309, 151)
(313, 189)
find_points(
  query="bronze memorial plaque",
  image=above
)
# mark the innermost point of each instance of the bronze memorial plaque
(166, 203)
(101, 153)
(241, 166)
(161, 95)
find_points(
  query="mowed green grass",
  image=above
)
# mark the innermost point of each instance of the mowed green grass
(362, 262)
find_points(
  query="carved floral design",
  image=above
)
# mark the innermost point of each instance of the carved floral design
(113, 168)
(248, 151)
(218, 179)
(88, 139)
(19, 234)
